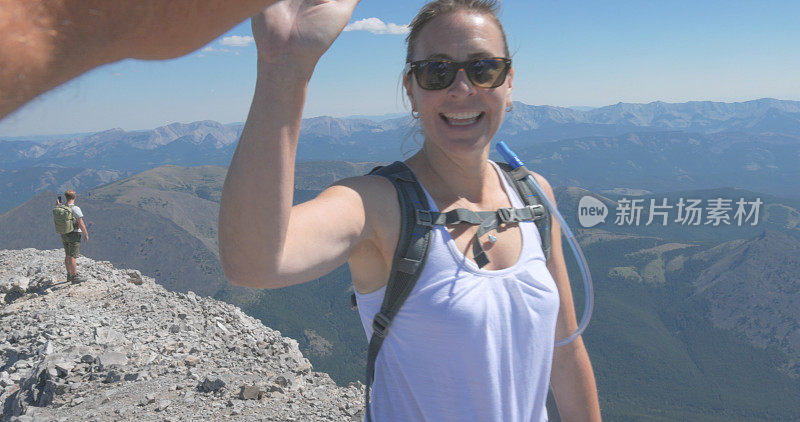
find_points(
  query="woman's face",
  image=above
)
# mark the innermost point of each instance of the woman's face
(461, 118)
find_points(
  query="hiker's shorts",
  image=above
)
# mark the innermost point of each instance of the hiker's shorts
(72, 244)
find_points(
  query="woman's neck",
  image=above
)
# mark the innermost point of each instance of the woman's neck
(450, 178)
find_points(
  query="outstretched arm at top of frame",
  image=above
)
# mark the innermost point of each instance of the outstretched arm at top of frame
(46, 43)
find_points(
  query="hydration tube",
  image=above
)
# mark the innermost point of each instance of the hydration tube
(515, 162)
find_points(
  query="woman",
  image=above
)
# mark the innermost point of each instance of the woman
(467, 344)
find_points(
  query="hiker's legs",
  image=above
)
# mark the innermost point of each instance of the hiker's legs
(72, 250)
(71, 264)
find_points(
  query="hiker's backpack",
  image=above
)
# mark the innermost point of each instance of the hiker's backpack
(62, 218)
(417, 220)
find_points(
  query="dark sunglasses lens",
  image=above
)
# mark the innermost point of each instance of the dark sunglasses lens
(487, 73)
(435, 75)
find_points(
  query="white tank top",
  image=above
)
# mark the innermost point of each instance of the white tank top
(469, 344)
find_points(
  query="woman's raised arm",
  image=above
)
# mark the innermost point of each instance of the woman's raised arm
(263, 241)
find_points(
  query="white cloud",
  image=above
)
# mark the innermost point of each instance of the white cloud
(237, 41)
(377, 26)
(210, 49)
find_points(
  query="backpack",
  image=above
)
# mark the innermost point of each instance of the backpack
(62, 218)
(416, 222)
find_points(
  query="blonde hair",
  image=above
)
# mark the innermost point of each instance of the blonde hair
(70, 195)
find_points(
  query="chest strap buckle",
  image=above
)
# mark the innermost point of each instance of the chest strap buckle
(507, 215)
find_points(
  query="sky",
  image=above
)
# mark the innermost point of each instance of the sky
(565, 52)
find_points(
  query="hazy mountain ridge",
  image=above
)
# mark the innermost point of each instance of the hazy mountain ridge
(670, 161)
(195, 215)
(656, 347)
(540, 123)
(754, 145)
(694, 115)
(187, 196)
(19, 185)
(335, 128)
(203, 181)
(318, 175)
(750, 286)
(653, 161)
(205, 131)
(754, 289)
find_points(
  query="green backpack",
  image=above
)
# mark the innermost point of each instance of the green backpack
(62, 218)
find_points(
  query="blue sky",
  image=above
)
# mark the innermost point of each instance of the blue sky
(566, 53)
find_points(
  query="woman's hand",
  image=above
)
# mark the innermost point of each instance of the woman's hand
(298, 32)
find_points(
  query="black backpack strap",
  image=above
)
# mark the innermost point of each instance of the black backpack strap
(409, 259)
(518, 178)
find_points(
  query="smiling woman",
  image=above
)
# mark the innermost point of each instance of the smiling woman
(460, 116)
(474, 339)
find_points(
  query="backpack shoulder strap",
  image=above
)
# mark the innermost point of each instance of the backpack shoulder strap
(518, 178)
(409, 257)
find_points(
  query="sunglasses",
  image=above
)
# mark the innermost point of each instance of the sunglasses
(439, 74)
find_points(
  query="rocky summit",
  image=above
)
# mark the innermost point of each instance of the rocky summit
(119, 347)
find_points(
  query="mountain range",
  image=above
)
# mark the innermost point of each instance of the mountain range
(691, 322)
(656, 147)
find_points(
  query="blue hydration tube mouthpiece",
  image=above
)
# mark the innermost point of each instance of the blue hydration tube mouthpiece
(515, 162)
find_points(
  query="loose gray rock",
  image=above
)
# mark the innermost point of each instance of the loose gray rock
(116, 349)
(19, 284)
(210, 386)
(112, 376)
(163, 405)
(64, 367)
(135, 277)
(113, 358)
(5, 380)
(249, 392)
(107, 336)
(191, 361)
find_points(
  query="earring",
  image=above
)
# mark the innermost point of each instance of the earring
(415, 116)
(509, 108)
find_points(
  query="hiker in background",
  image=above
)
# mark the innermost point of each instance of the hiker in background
(69, 223)
(44, 44)
(475, 339)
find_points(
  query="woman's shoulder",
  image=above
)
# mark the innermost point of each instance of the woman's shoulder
(544, 184)
(375, 193)
(367, 186)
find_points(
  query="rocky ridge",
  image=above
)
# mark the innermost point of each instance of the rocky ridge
(120, 347)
